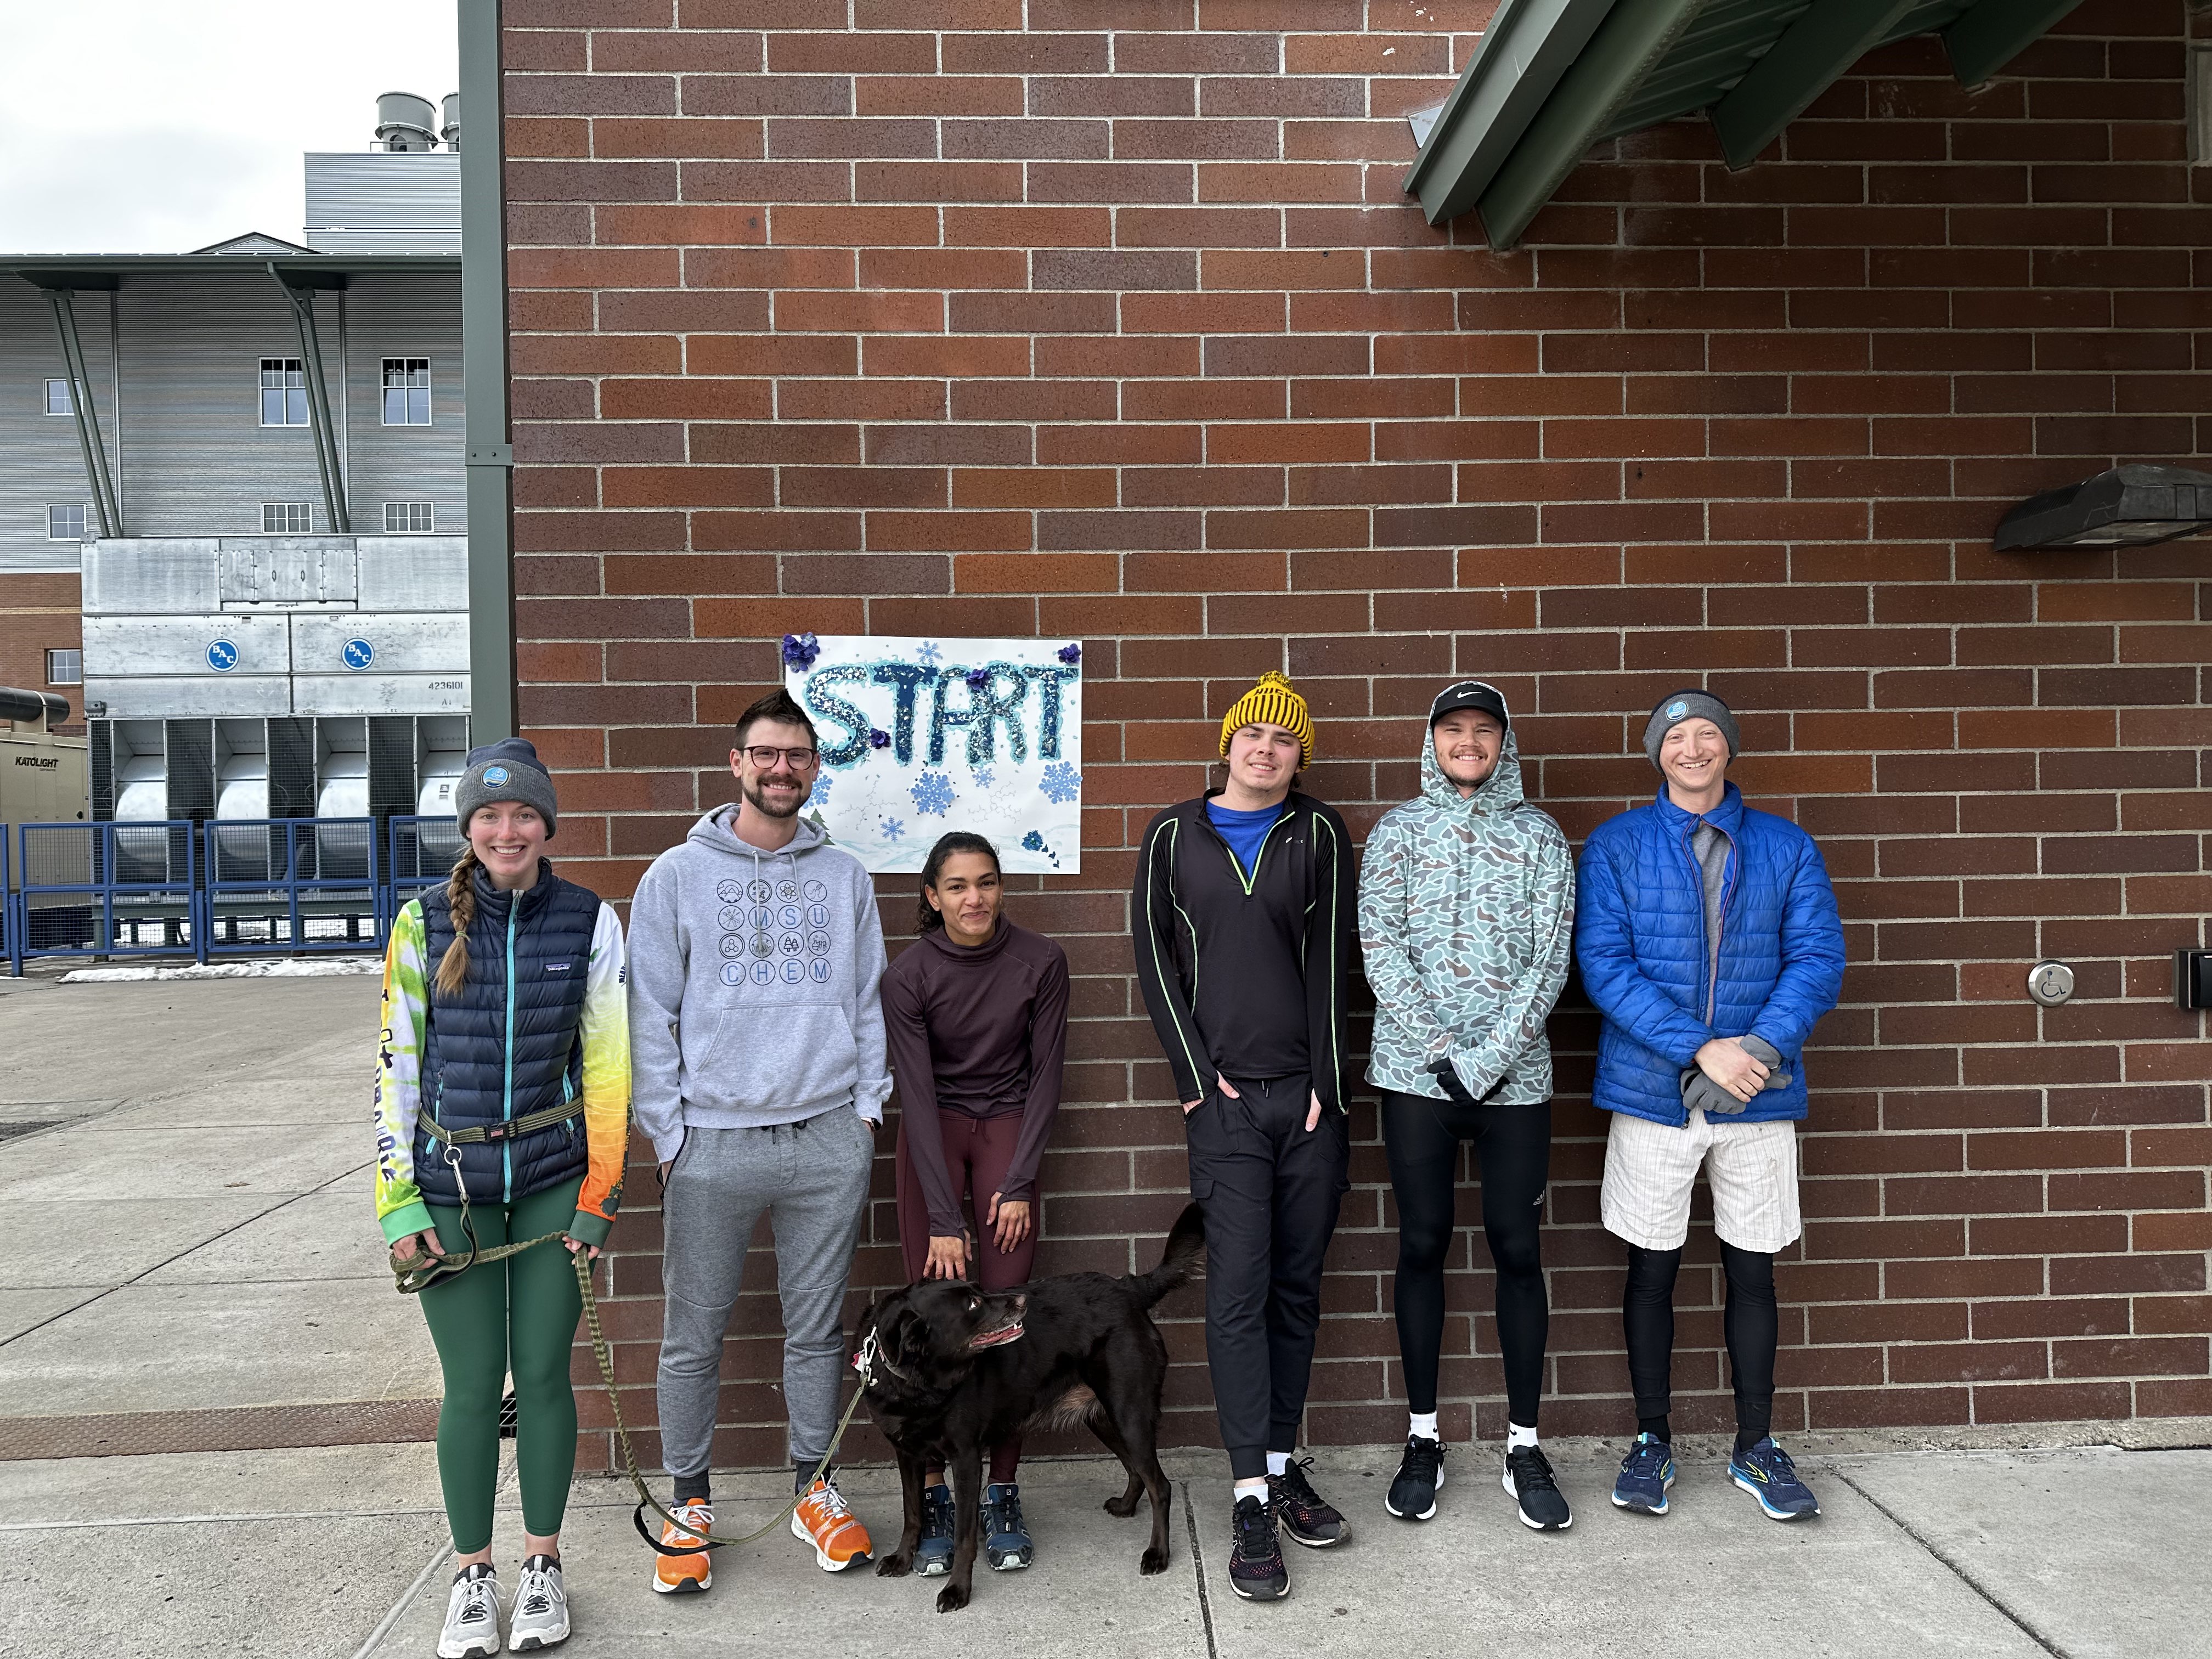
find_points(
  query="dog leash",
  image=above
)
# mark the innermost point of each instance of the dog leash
(418, 1273)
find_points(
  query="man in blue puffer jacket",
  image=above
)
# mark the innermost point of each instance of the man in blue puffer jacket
(1707, 936)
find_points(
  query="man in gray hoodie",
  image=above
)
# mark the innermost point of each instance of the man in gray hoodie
(756, 1037)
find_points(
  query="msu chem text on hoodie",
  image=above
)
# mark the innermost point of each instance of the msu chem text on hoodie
(1467, 917)
(754, 982)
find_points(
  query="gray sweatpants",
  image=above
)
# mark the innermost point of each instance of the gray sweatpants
(812, 1178)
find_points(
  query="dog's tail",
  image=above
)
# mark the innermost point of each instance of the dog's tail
(1178, 1262)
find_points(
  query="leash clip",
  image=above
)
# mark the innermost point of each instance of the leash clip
(863, 1362)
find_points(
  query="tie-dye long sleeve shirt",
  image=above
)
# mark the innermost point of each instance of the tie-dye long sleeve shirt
(603, 1031)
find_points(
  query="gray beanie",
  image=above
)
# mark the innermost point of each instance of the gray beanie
(506, 770)
(1689, 705)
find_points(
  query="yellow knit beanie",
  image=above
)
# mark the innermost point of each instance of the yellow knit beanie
(1273, 702)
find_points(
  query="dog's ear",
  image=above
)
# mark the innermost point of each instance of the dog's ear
(908, 1338)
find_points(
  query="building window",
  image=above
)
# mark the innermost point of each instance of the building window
(57, 399)
(407, 392)
(408, 519)
(65, 521)
(64, 668)
(287, 518)
(283, 392)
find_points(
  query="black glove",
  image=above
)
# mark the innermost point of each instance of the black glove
(1444, 1072)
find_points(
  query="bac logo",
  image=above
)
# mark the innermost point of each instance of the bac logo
(358, 653)
(221, 656)
(495, 776)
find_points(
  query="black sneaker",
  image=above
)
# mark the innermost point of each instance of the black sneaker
(1413, 1495)
(1255, 1557)
(1529, 1480)
(1301, 1511)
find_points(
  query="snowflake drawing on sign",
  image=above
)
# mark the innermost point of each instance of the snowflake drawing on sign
(821, 786)
(893, 828)
(932, 794)
(1070, 655)
(1061, 783)
(929, 652)
(982, 777)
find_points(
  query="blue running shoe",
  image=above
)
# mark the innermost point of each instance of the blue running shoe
(1005, 1540)
(1766, 1472)
(932, 1556)
(1645, 1474)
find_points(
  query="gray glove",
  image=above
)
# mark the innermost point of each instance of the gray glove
(1700, 1091)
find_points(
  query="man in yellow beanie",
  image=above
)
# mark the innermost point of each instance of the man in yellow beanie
(1244, 919)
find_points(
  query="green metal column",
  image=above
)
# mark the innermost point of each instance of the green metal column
(483, 375)
(1630, 39)
(1996, 32)
(107, 506)
(1816, 49)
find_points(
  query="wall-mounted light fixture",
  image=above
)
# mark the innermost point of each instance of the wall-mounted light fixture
(2126, 506)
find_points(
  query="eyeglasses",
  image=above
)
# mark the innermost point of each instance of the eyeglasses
(800, 760)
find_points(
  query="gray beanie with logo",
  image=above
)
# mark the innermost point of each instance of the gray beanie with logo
(1690, 705)
(506, 770)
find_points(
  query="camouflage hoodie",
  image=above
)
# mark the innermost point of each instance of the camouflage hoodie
(1466, 909)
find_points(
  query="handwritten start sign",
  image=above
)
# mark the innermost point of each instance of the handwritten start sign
(921, 736)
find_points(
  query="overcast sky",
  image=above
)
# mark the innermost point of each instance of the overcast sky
(154, 126)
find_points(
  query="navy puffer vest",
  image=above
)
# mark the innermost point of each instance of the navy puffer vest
(511, 1043)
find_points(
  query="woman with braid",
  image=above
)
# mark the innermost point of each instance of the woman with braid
(503, 1085)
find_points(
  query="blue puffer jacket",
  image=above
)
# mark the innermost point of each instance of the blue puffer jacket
(1640, 943)
(509, 1043)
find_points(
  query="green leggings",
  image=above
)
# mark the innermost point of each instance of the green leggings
(519, 1314)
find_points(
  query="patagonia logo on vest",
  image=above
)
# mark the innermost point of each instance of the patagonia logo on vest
(495, 776)
(558, 967)
(1676, 710)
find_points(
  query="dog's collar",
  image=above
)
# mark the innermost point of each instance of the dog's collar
(871, 1356)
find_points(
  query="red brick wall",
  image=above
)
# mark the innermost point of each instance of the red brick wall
(898, 315)
(39, 614)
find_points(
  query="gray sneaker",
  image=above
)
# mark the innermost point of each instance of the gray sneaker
(541, 1608)
(472, 1615)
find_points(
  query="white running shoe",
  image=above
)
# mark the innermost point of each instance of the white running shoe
(472, 1615)
(540, 1607)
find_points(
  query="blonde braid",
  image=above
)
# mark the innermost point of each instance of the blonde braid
(461, 900)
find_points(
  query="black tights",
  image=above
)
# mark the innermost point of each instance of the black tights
(1753, 1324)
(1513, 1154)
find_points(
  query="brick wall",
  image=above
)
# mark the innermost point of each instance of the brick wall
(39, 614)
(1107, 318)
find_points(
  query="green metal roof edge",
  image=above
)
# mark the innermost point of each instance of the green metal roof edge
(1509, 165)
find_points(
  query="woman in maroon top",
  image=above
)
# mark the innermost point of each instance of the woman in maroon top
(975, 1017)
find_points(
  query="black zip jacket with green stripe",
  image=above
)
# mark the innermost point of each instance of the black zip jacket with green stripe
(1247, 976)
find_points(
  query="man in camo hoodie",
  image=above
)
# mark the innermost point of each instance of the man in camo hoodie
(1467, 900)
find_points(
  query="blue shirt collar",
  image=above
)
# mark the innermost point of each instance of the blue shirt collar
(1726, 818)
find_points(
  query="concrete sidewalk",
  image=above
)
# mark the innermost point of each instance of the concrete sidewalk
(339, 1552)
(183, 1171)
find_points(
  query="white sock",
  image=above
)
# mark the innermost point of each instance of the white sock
(1517, 1435)
(1279, 1462)
(1252, 1488)
(1423, 1425)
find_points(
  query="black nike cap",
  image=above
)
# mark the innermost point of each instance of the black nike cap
(1470, 693)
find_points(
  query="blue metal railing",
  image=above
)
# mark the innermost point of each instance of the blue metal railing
(98, 890)
(421, 853)
(291, 884)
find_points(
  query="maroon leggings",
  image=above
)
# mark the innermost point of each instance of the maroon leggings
(976, 1153)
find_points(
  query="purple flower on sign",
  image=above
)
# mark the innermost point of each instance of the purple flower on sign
(878, 738)
(799, 651)
(979, 679)
(1070, 655)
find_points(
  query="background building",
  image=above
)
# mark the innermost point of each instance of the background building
(1113, 317)
(252, 455)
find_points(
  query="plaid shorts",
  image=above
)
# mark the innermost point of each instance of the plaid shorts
(1751, 1168)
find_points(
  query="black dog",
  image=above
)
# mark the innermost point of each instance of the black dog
(950, 1370)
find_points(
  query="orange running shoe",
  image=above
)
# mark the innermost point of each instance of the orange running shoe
(681, 1575)
(823, 1520)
